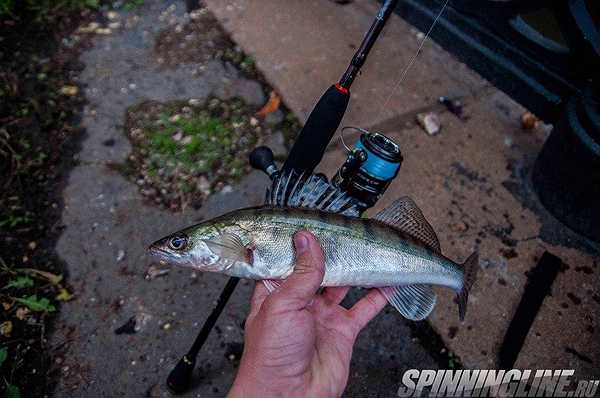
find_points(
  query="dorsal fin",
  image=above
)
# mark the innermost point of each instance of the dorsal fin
(309, 192)
(406, 216)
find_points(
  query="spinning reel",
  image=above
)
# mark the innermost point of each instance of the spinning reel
(361, 180)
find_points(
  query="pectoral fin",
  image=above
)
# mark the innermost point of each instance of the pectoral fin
(231, 247)
(414, 302)
(272, 284)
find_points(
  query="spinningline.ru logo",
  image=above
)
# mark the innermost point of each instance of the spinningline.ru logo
(495, 383)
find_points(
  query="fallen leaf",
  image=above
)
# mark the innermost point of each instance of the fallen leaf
(64, 295)
(529, 121)
(271, 106)
(6, 328)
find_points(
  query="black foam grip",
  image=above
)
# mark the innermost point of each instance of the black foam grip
(261, 158)
(320, 127)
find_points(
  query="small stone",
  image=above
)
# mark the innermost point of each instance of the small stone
(227, 189)
(32, 245)
(253, 122)
(529, 121)
(166, 326)
(91, 27)
(177, 136)
(120, 255)
(132, 86)
(276, 142)
(22, 313)
(69, 90)
(420, 35)
(175, 118)
(187, 140)
(114, 25)
(430, 122)
(112, 15)
(204, 186)
(194, 102)
(154, 272)
(103, 31)
(274, 118)
(459, 227)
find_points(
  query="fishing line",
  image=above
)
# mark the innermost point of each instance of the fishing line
(412, 61)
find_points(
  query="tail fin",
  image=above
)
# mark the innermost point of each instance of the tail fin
(470, 268)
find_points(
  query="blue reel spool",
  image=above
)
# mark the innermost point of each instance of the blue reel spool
(371, 166)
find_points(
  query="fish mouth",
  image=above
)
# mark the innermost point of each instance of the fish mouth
(160, 254)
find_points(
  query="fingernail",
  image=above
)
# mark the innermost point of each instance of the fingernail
(300, 242)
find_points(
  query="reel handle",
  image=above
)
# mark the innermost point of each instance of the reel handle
(262, 158)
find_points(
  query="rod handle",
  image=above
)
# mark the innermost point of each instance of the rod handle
(320, 127)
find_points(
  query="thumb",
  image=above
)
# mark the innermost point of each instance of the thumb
(301, 286)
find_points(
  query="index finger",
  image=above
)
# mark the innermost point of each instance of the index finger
(367, 308)
(258, 297)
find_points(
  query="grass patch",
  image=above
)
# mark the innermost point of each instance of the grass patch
(183, 153)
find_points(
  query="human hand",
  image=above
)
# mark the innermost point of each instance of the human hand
(299, 343)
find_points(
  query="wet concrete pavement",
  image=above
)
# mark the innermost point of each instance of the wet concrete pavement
(108, 225)
(471, 180)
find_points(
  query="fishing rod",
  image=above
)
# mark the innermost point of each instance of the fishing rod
(363, 178)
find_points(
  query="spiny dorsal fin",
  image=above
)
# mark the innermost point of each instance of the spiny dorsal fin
(414, 302)
(406, 216)
(309, 192)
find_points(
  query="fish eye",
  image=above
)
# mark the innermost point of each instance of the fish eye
(178, 242)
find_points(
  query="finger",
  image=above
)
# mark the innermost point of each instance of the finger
(335, 294)
(258, 297)
(300, 287)
(367, 308)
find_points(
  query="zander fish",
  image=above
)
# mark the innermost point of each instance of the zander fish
(396, 252)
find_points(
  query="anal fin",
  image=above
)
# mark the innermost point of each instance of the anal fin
(414, 302)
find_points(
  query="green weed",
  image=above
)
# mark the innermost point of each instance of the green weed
(131, 5)
(21, 282)
(38, 305)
